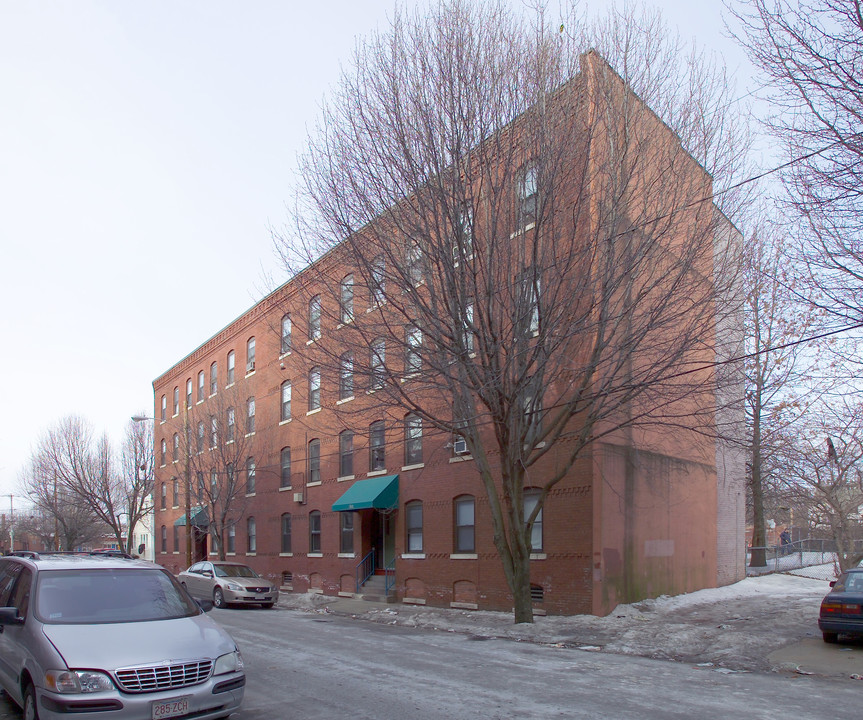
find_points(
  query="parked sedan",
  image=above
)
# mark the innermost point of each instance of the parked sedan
(228, 583)
(842, 608)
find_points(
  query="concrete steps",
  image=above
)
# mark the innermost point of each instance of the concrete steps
(373, 590)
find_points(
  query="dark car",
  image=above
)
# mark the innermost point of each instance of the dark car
(842, 608)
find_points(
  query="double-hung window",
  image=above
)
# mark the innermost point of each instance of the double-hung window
(231, 361)
(315, 531)
(464, 524)
(315, 318)
(314, 388)
(346, 300)
(285, 413)
(346, 453)
(346, 376)
(413, 440)
(377, 446)
(285, 346)
(414, 527)
(314, 460)
(285, 467)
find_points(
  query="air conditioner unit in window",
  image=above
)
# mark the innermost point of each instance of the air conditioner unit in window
(250, 367)
(300, 498)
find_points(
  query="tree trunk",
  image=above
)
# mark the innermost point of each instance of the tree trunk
(758, 557)
(522, 603)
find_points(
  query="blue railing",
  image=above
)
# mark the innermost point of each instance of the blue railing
(389, 576)
(365, 569)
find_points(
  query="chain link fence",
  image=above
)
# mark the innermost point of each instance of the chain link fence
(813, 557)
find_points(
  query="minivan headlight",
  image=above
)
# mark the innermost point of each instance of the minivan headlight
(77, 681)
(231, 662)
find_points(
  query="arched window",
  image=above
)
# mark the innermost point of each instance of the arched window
(314, 460)
(314, 531)
(250, 355)
(346, 453)
(175, 448)
(413, 440)
(164, 538)
(251, 536)
(230, 421)
(286, 533)
(250, 475)
(314, 388)
(377, 446)
(214, 378)
(531, 498)
(285, 413)
(164, 496)
(164, 410)
(285, 467)
(176, 401)
(176, 491)
(346, 376)
(414, 526)
(163, 452)
(378, 361)
(285, 346)
(464, 524)
(188, 393)
(201, 386)
(346, 299)
(230, 364)
(315, 317)
(250, 415)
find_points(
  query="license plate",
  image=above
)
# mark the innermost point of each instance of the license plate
(171, 708)
(260, 597)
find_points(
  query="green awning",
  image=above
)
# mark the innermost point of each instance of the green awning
(199, 518)
(381, 493)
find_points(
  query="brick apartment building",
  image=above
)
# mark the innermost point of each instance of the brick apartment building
(324, 470)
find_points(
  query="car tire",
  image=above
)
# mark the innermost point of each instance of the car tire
(267, 606)
(30, 711)
(219, 598)
(830, 637)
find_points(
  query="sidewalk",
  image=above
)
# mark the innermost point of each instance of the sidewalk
(760, 624)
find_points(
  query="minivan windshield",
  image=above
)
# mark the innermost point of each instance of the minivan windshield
(110, 595)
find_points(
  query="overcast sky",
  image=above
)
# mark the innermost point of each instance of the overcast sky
(146, 148)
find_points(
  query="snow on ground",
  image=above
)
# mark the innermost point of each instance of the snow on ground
(733, 627)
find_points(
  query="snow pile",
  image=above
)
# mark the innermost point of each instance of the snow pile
(735, 626)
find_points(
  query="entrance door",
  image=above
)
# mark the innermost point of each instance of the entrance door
(383, 538)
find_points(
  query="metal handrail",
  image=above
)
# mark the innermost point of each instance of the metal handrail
(389, 576)
(365, 569)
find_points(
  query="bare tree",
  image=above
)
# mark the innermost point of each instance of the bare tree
(74, 466)
(60, 520)
(537, 245)
(822, 463)
(778, 368)
(223, 452)
(811, 51)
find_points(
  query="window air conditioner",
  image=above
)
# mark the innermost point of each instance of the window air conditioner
(299, 498)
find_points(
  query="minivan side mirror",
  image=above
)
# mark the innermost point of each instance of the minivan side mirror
(205, 605)
(9, 616)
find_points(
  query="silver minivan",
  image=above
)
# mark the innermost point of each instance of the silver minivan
(99, 636)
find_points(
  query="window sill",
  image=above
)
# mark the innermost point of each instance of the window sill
(211, 395)
(250, 373)
(231, 554)
(347, 555)
(251, 554)
(290, 554)
(251, 494)
(284, 355)
(313, 484)
(529, 226)
(345, 478)
(347, 399)
(416, 466)
(315, 555)
(413, 556)
(285, 422)
(312, 412)
(200, 401)
(312, 341)
(229, 385)
(538, 556)
(464, 606)
(174, 507)
(461, 458)
(285, 488)
(464, 556)
(375, 473)
(249, 434)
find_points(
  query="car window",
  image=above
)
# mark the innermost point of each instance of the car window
(110, 595)
(8, 575)
(196, 568)
(854, 582)
(235, 571)
(21, 593)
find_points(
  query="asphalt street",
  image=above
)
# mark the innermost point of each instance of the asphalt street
(313, 665)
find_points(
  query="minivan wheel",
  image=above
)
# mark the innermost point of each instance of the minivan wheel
(30, 710)
(218, 598)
